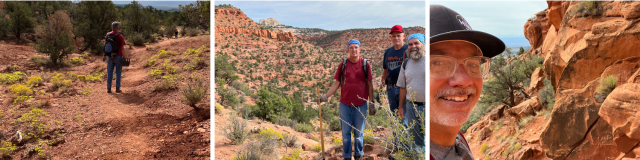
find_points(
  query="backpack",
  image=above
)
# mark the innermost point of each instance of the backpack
(364, 68)
(111, 47)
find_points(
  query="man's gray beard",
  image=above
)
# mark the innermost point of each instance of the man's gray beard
(416, 55)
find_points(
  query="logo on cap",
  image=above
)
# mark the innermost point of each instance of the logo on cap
(463, 22)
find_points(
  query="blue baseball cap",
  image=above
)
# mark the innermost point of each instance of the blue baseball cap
(419, 36)
(354, 41)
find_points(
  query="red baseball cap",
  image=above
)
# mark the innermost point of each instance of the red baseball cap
(396, 28)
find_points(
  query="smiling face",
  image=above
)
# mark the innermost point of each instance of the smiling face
(397, 38)
(354, 50)
(416, 49)
(453, 98)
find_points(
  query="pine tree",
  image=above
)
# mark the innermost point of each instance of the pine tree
(57, 37)
(21, 18)
(93, 21)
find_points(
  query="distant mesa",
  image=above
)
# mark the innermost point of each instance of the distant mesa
(268, 22)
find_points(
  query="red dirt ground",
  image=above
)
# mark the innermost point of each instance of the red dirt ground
(136, 124)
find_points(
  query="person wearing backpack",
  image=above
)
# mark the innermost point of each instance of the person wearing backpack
(392, 59)
(353, 76)
(459, 60)
(114, 51)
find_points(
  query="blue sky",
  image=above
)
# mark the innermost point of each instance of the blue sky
(159, 4)
(336, 15)
(504, 19)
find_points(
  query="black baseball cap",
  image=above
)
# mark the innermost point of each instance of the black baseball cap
(447, 24)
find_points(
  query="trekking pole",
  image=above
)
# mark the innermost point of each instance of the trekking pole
(321, 131)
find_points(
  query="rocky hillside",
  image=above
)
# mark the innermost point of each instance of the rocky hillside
(590, 57)
(236, 22)
(373, 40)
(257, 73)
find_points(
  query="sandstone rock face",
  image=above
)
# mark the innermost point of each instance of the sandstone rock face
(597, 144)
(484, 134)
(623, 69)
(621, 109)
(268, 22)
(525, 108)
(529, 152)
(283, 36)
(497, 112)
(535, 28)
(574, 112)
(536, 82)
(556, 12)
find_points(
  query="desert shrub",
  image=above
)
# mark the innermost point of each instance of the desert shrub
(137, 39)
(198, 63)
(77, 61)
(21, 99)
(218, 108)
(517, 147)
(607, 84)
(498, 125)
(6, 149)
(334, 124)
(295, 155)
(194, 92)
(303, 127)
(260, 148)
(192, 32)
(236, 131)
(484, 149)
(41, 61)
(289, 139)
(545, 113)
(59, 82)
(82, 78)
(168, 82)
(546, 94)
(315, 147)
(487, 157)
(57, 38)
(21, 90)
(524, 121)
(368, 137)
(34, 81)
(94, 77)
(269, 133)
(156, 73)
(337, 142)
(271, 105)
(589, 8)
(35, 127)
(11, 78)
(284, 121)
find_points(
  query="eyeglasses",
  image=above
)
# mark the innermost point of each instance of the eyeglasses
(445, 66)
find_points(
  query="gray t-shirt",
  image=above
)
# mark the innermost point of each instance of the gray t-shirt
(459, 151)
(412, 78)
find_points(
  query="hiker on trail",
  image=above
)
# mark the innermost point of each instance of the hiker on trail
(114, 51)
(411, 81)
(459, 59)
(392, 59)
(353, 76)
(176, 32)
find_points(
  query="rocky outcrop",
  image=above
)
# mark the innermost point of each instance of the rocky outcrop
(268, 22)
(271, 34)
(621, 110)
(529, 152)
(536, 28)
(524, 109)
(230, 12)
(497, 112)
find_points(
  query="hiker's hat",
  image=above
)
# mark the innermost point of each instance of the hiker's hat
(354, 41)
(418, 36)
(396, 28)
(115, 25)
(447, 24)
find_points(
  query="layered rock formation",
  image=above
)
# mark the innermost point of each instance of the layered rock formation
(236, 22)
(271, 34)
(579, 48)
(581, 43)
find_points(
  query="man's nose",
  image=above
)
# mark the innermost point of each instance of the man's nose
(460, 77)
